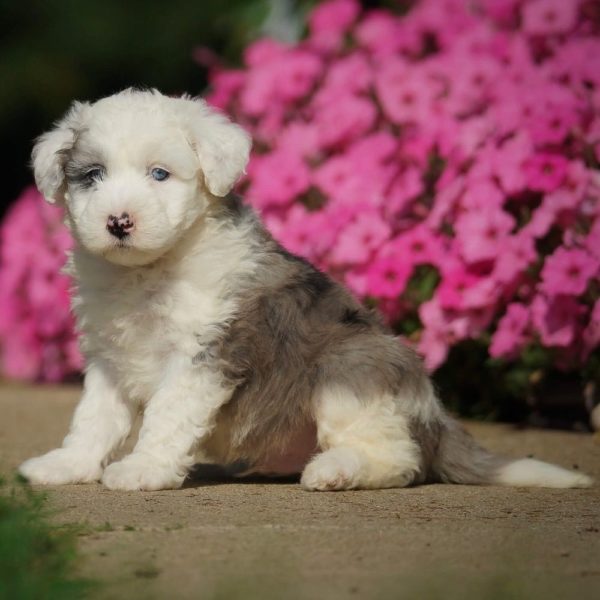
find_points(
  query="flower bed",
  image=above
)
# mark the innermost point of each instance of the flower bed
(442, 162)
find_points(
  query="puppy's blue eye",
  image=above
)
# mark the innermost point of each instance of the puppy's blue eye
(159, 174)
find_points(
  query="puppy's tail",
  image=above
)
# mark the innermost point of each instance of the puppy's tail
(461, 460)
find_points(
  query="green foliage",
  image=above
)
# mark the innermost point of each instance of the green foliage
(36, 557)
(421, 285)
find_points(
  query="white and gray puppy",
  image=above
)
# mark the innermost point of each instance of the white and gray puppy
(235, 350)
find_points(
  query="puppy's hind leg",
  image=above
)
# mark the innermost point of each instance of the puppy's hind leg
(365, 444)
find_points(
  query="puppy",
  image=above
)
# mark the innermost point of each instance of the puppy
(236, 351)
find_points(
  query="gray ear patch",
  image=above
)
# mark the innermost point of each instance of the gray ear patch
(50, 151)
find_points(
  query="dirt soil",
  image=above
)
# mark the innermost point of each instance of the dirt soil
(225, 538)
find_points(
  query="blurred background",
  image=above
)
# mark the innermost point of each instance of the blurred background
(439, 157)
(52, 52)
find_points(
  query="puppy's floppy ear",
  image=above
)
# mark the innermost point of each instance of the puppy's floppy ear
(222, 147)
(49, 153)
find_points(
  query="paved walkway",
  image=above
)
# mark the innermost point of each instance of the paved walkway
(258, 539)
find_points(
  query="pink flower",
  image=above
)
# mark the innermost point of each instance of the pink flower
(556, 319)
(455, 281)
(482, 195)
(276, 178)
(553, 124)
(406, 95)
(226, 85)
(301, 232)
(344, 119)
(511, 335)
(406, 187)
(568, 271)
(333, 15)
(383, 35)
(300, 137)
(436, 337)
(360, 175)
(545, 172)
(387, 277)
(34, 298)
(592, 240)
(508, 161)
(434, 345)
(350, 74)
(516, 256)
(545, 17)
(418, 246)
(357, 242)
(471, 82)
(481, 235)
(329, 21)
(263, 51)
(297, 74)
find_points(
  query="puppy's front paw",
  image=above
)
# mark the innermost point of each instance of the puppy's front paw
(140, 472)
(335, 469)
(61, 466)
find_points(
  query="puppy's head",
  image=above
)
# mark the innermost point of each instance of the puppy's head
(136, 169)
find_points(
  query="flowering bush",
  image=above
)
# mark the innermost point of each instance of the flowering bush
(37, 341)
(443, 163)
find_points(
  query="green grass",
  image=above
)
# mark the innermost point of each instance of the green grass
(36, 557)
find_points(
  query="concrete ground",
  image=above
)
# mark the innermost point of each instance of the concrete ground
(258, 539)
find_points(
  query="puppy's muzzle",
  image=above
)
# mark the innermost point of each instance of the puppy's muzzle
(121, 226)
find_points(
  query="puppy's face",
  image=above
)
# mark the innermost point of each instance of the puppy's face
(137, 169)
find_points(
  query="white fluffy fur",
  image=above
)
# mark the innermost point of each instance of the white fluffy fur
(365, 445)
(140, 326)
(529, 472)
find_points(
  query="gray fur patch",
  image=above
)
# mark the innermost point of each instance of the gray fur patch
(297, 330)
(460, 459)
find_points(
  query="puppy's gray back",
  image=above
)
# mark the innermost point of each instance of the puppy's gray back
(295, 332)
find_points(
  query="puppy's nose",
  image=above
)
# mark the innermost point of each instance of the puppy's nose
(121, 226)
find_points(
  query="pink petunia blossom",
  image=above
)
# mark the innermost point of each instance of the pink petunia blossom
(387, 277)
(277, 178)
(346, 118)
(418, 246)
(334, 15)
(556, 319)
(329, 21)
(545, 17)
(480, 235)
(302, 232)
(545, 172)
(512, 333)
(34, 299)
(518, 253)
(455, 281)
(406, 95)
(568, 271)
(383, 36)
(436, 338)
(350, 74)
(225, 86)
(356, 243)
